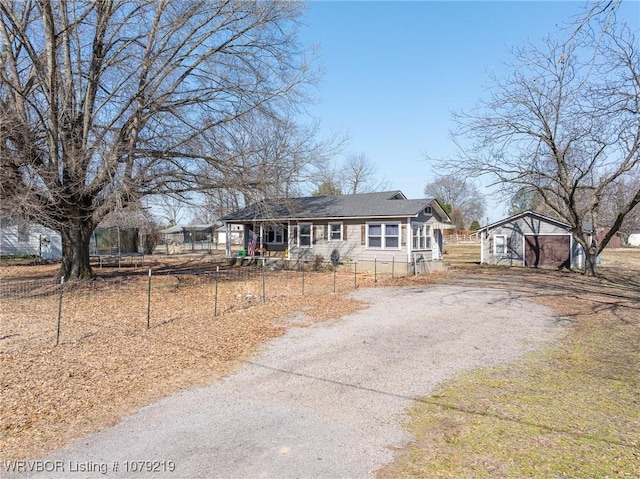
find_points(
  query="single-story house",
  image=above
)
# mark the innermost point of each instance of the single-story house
(19, 237)
(530, 239)
(366, 227)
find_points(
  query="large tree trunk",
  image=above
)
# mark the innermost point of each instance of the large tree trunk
(75, 250)
(590, 261)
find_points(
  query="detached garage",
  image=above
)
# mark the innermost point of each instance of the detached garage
(530, 239)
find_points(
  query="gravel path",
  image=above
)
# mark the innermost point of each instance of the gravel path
(323, 401)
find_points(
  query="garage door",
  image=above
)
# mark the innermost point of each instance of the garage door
(550, 251)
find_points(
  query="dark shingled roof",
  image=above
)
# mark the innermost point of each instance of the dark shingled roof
(369, 205)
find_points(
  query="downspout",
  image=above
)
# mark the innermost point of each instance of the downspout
(409, 240)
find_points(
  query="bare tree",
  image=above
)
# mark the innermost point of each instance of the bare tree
(360, 175)
(459, 196)
(326, 178)
(354, 174)
(104, 102)
(172, 210)
(564, 123)
(274, 157)
(616, 198)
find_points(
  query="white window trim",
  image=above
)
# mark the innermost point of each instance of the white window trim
(423, 237)
(310, 225)
(275, 234)
(339, 225)
(495, 244)
(383, 235)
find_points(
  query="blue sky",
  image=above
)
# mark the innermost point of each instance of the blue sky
(394, 71)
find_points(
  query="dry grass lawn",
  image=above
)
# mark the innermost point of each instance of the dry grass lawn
(572, 411)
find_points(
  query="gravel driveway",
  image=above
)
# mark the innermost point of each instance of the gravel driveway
(323, 401)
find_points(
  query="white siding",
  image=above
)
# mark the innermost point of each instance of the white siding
(33, 240)
(515, 232)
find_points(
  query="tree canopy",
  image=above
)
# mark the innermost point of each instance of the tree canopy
(105, 102)
(563, 126)
(460, 197)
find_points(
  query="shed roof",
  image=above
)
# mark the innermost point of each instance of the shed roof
(361, 205)
(208, 228)
(533, 214)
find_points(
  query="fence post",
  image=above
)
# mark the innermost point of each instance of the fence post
(375, 270)
(149, 301)
(302, 266)
(355, 274)
(60, 310)
(215, 302)
(393, 266)
(264, 296)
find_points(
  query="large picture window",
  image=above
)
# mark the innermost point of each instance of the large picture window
(383, 235)
(304, 235)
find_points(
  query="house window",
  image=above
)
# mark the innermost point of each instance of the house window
(500, 244)
(383, 235)
(374, 236)
(419, 237)
(275, 234)
(392, 236)
(335, 231)
(304, 235)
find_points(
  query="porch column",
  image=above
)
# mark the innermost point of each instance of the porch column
(409, 240)
(227, 239)
(433, 235)
(261, 237)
